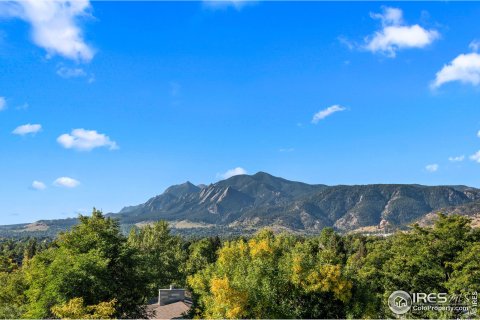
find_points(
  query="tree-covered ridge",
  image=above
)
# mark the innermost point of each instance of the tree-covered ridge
(13, 252)
(95, 271)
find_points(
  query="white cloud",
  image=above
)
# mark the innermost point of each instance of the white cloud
(3, 103)
(27, 129)
(478, 134)
(432, 167)
(465, 68)
(232, 172)
(456, 159)
(395, 35)
(66, 182)
(54, 25)
(86, 140)
(322, 114)
(286, 149)
(475, 157)
(67, 73)
(38, 185)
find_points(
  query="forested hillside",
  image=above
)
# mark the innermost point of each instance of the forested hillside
(94, 271)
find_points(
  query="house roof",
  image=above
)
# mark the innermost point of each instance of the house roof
(174, 310)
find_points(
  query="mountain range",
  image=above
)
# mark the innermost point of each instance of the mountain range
(246, 203)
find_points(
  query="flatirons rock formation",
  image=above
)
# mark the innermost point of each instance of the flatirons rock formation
(248, 202)
(254, 201)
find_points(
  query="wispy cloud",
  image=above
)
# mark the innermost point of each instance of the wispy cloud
(27, 129)
(465, 68)
(91, 78)
(67, 73)
(23, 106)
(474, 45)
(457, 158)
(396, 35)
(476, 156)
(3, 103)
(232, 172)
(86, 140)
(175, 91)
(175, 88)
(286, 149)
(432, 167)
(54, 25)
(223, 4)
(322, 114)
(38, 185)
(346, 42)
(66, 182)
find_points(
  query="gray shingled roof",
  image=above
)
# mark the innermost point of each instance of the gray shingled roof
(174, 310)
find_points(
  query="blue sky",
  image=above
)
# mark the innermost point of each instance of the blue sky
(136, 97)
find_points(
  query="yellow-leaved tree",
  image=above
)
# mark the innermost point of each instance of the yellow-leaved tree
(76, 309)
(271, 276)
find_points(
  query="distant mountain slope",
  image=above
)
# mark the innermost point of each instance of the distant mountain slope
(263, 200)
(41, 228)
(471, 209)
(247, 202)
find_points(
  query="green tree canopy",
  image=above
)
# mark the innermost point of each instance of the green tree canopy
(162, 256)
(92, 262)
